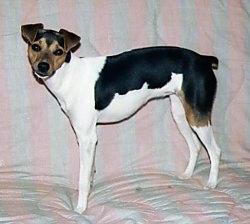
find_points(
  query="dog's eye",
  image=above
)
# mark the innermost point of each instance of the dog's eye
(36, 47)
(58, 52)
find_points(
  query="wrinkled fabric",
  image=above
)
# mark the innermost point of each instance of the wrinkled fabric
(137, 161)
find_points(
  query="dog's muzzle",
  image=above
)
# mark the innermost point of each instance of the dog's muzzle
(42, 70)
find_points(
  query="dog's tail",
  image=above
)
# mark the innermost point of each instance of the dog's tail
(212, 60)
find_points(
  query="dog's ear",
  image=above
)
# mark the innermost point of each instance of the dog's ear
(29, 31)
(70, 39)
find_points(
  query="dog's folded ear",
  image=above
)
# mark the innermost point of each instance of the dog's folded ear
(71, 40)
(29, 31)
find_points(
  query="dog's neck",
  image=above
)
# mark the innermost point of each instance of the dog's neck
(78, 75)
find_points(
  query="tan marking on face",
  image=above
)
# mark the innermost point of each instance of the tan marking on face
(194, 118)
(46, 54)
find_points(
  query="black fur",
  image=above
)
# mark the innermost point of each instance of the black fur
(50, 36)
(68, 57)
(154, 66)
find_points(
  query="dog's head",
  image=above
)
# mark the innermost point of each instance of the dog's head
(48, 49)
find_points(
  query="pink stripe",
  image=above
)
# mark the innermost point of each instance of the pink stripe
(109, 148)
(102, 16)
(170, 11)
(204, 25)
(237, 59)
(5, 111)
(144, 138)
(68, 15)
(138, 23)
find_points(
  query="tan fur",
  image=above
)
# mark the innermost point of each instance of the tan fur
(46, 55)
(193, 117)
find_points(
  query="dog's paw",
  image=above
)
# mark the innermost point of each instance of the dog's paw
(80, 209)
(210, 185)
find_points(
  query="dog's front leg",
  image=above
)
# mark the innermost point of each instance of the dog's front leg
(87, 140)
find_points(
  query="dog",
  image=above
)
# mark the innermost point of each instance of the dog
(108, 89)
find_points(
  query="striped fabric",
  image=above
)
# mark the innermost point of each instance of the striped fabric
(137, 161)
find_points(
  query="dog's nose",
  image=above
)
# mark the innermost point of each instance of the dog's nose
(43, 67)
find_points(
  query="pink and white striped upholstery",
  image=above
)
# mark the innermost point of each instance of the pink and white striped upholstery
(138, 160)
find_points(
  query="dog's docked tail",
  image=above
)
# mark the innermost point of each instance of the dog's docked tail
(212, 60)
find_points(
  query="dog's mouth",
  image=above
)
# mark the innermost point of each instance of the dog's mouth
(40, 75)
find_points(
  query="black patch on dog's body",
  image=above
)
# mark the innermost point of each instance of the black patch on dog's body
(130, 70)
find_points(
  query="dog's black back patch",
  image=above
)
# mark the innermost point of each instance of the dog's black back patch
(130, 70)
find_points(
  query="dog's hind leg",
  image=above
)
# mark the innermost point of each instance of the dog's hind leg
(206, 136)
(200, 122)
(193, 143)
